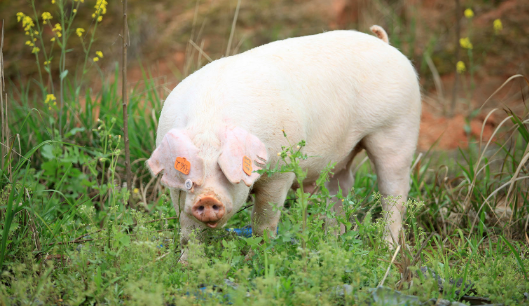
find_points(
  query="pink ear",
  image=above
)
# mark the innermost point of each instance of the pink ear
(237, 144)
(176, 143)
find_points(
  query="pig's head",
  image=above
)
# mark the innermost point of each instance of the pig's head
(211, 173)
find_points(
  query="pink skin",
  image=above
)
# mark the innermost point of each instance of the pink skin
(208, 209)
(200, 201)
(217, 191)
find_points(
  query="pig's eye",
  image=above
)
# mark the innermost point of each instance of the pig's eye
(189, 184)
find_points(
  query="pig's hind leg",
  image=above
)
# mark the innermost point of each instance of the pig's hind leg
(391, 150)
(270, 195)
(342, 180)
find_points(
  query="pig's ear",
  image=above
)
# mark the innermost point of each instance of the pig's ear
(178, 158)
(242, 154)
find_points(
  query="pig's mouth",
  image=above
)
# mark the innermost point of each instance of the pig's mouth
(212, 224)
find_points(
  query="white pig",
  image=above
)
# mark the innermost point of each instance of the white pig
(340, 91)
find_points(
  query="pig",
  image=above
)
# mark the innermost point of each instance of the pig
(340, 91)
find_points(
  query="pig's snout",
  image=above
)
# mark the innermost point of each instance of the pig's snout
(209, 210)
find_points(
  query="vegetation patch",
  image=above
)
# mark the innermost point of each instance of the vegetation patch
(72, 233)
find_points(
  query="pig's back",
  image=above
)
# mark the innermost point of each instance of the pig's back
(329, 89)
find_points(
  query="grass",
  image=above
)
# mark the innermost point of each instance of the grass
(68, 236)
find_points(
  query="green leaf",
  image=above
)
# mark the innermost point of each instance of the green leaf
(125, 240)
(74, 131)
(47, 152)
(64, 74)
(521, 127)
(253, 241)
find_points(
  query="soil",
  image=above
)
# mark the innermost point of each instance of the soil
(448, 133)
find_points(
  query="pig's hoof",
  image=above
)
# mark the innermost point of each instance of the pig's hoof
(389, 241)
(183, 259)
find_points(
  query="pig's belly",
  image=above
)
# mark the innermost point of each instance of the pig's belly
(316, 164)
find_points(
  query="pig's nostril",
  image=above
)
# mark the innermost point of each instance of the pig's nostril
(208, 209)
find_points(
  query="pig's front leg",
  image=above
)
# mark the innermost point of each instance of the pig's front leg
(188, 227)
(187, 224)
(270, 195)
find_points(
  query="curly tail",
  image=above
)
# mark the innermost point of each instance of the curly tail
(380, 33)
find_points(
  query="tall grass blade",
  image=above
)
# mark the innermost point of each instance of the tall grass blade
(516, 255)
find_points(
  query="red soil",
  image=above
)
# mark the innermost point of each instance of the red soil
(449, 133)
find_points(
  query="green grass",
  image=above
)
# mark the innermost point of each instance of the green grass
(68, 236)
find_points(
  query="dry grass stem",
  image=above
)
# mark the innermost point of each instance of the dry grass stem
(389, 266)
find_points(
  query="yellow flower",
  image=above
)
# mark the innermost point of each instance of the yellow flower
(469, 13)
(100, 18)
(465, 43)
(27, 23)
(50, 98)
(57, 29)
(497, 26)
(20, 15)
(36, 32)
(460, 67)
(46, 62)
(34, 39)
(79, 31)
(52, 1)
(27, 33)
(136, 190)
(75, 10)
(96, 59)
(101, 8)
(45, 17)
(28, 42)
(35, 50)
(52, 39)
(99, 53)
